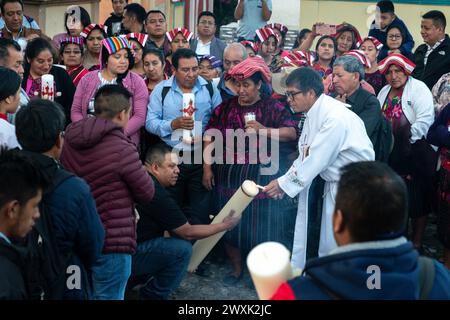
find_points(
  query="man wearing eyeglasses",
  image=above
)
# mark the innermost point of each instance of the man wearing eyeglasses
(332, 137)
(206, 42)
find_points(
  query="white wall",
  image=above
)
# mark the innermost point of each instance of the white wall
(286, 12)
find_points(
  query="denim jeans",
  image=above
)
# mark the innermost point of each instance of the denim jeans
(161, 263)
(110, 276)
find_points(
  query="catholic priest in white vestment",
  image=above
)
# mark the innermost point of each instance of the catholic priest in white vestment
(332, 137)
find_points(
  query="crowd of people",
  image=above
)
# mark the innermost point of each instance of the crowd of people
(151, 131)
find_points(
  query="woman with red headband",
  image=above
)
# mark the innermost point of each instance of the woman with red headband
(268, 41)
(93, 36)
(260, 116)
(138, 40)
(178, 38)
(71, 52)
(408, 104)
(371, 48)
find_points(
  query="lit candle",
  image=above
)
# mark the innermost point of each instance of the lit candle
(238, 202)
(269, 265)
(47, 87)
(188, 111)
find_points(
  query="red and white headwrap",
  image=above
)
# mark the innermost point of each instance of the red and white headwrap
(86, 31)
(251, 44)
(348, 27)
(279, 26)
(173, 33)
(249, 67)
(139, 37)
(361, 56)
(378, 45)
(396, 59)
(299, 59)
(266, 32)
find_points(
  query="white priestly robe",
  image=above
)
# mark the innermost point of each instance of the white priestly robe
(332, 137)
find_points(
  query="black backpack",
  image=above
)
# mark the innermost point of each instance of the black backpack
(45, 267)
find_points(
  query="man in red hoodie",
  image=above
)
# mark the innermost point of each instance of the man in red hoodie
(97, 150)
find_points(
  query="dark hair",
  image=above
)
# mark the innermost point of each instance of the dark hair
(402, 32)
(85, 19)
(10, 83)
(21, 178)
(157, 153)
(5, 45)
(206, 14)
(305, 79)
(2, 4)
(373, 201)
(155, 52)
(302, 33)
(320, 41)
(155, 11)
(63, 46)
(105, 55)
(386, 6)
(39, 124)
(182, 53)
(36, 46)
(256, 78)
(348, 29)
(136, 10)
(438, 18)
(110, 100)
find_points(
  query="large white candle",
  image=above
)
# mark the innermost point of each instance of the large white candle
(48, 87)
(188, 111)
(238, 202)
(269, 265)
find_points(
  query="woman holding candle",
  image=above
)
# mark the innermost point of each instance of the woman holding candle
(93, 36)
(117, 61)
(270, 117)
(39, 62)
(138, 40)
(178, 38)
(408, 104)
(71, 56)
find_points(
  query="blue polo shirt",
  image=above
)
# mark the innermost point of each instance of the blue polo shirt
(160, 117)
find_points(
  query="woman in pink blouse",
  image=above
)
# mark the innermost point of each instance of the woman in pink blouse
(117, 61)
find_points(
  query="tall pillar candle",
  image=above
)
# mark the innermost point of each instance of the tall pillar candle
(238, 202)
(188, 111)
(269, 265)
(48, 87)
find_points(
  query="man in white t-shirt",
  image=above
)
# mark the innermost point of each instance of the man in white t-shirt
(206, 43)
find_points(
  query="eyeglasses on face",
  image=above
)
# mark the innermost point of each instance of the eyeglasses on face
(75, 52)
(206, 23)
(394, 36)
(291, 95)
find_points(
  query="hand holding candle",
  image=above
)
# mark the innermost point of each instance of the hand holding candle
(238, 202)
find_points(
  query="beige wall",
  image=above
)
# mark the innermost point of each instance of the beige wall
(50, 14)
(357, 13)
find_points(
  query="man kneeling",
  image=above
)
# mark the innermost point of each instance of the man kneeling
(161, 262)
